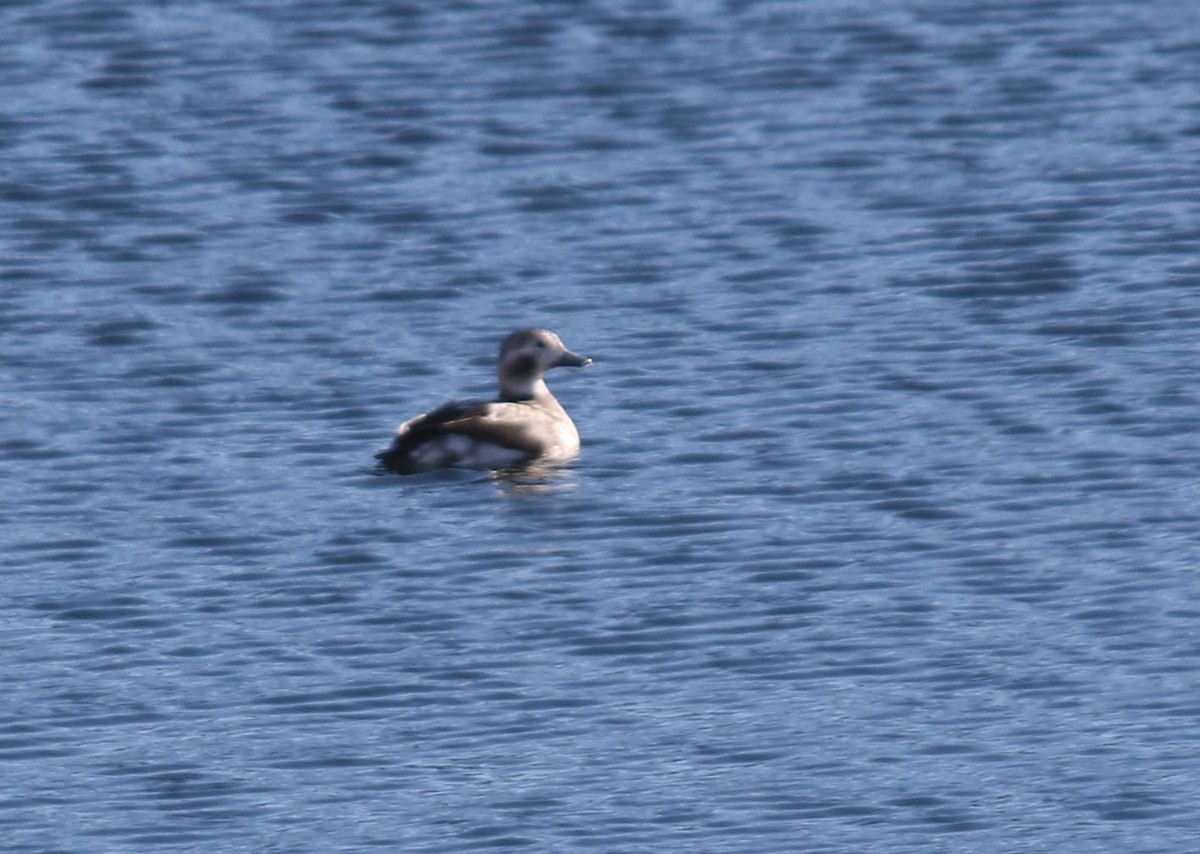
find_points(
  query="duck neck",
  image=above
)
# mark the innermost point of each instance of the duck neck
(513, 388)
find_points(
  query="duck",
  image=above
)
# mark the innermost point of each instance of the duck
(525, 424)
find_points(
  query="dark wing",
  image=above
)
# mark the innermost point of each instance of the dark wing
(417, 430)
(483, 422)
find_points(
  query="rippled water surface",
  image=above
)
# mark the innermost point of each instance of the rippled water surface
(884, 532)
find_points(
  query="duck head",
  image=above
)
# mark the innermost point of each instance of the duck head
(526, 355)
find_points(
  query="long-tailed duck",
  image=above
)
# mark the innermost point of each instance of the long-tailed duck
(525, 424)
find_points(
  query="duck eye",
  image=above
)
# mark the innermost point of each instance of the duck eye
(541, 345)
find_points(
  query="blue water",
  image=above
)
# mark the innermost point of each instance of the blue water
(883, 537)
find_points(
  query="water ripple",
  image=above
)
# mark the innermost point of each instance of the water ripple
(883, 531)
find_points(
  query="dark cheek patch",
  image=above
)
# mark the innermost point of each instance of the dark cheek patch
(523, 365)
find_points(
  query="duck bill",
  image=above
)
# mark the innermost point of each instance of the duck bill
(571, 360)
